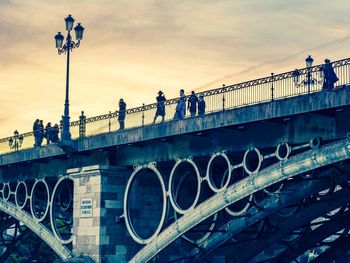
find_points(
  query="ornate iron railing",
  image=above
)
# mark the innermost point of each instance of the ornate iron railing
(274, 87)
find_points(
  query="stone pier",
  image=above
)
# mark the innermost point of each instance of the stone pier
(98, 204)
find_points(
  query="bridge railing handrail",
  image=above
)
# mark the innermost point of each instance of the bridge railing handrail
(243, 86)
(220, 90)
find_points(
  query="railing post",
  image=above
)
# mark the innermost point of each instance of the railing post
(272, 88)
(82, 125)
(223, 96)
(109, 121)
(308, 80)
(143, 114)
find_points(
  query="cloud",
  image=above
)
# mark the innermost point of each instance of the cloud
(131, 49)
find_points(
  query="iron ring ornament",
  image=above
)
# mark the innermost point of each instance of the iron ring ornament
(136, 237)
(252, 162)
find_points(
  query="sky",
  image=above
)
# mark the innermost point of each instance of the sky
(133, 48)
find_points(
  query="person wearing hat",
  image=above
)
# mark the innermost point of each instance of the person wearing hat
(160, 106)
(329, 76)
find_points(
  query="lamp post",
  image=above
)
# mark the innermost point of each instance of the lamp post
(63, 49)
(16, 141)
(308, 81)
(309, 60)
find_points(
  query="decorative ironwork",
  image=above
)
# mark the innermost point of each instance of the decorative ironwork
(67, 48)
(273, 87)
(82, 125)
(16, 141)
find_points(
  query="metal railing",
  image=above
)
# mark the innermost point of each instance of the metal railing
(274, 87)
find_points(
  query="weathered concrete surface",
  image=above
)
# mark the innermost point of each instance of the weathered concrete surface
(295, 120)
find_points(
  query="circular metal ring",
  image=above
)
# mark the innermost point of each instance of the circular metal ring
(128, 224)
(53, 225)
(315, 143)
(287, 149)
(6, 191)
(242, 211)
(32, 199)
(171, 195)
(206, 235)
(228, 177)
(212, 225)
(18, 188)
(245, 165)
(64, 206)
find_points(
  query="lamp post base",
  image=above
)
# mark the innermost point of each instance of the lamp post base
(68, 146)
(65, 134)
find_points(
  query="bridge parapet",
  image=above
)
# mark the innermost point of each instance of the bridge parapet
(320, 104)
(268, 89)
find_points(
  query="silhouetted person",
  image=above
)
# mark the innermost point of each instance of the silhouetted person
(121, 115)
(180, 110)
(40, 133)
(48, 133)
(201, 105)
(192, 104)
(54, 133)
(36, 131)
(160, 106)
(329, 75)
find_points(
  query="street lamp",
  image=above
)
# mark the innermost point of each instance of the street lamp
(63, 49)
(308, 80)
(16, 141)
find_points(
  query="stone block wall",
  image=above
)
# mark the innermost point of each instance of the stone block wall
(101, 234)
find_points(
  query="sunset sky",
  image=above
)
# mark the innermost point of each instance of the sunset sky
(131, 49)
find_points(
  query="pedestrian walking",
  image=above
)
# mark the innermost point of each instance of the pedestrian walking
(36, 132)
(330, 78)
(201, 105)
(192, 104)
(121, 114)
(160, 106)
(180, 110)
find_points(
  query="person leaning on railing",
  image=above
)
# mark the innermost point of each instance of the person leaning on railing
(330, 78)
(54, 133)
(201, 105)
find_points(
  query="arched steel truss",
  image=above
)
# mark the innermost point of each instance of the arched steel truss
(21, 205)
(295, 165)
(36, 227)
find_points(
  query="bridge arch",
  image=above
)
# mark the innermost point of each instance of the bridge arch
(301, 163)
(36, 227)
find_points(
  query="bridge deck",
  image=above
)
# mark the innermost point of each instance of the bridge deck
(277, 109)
